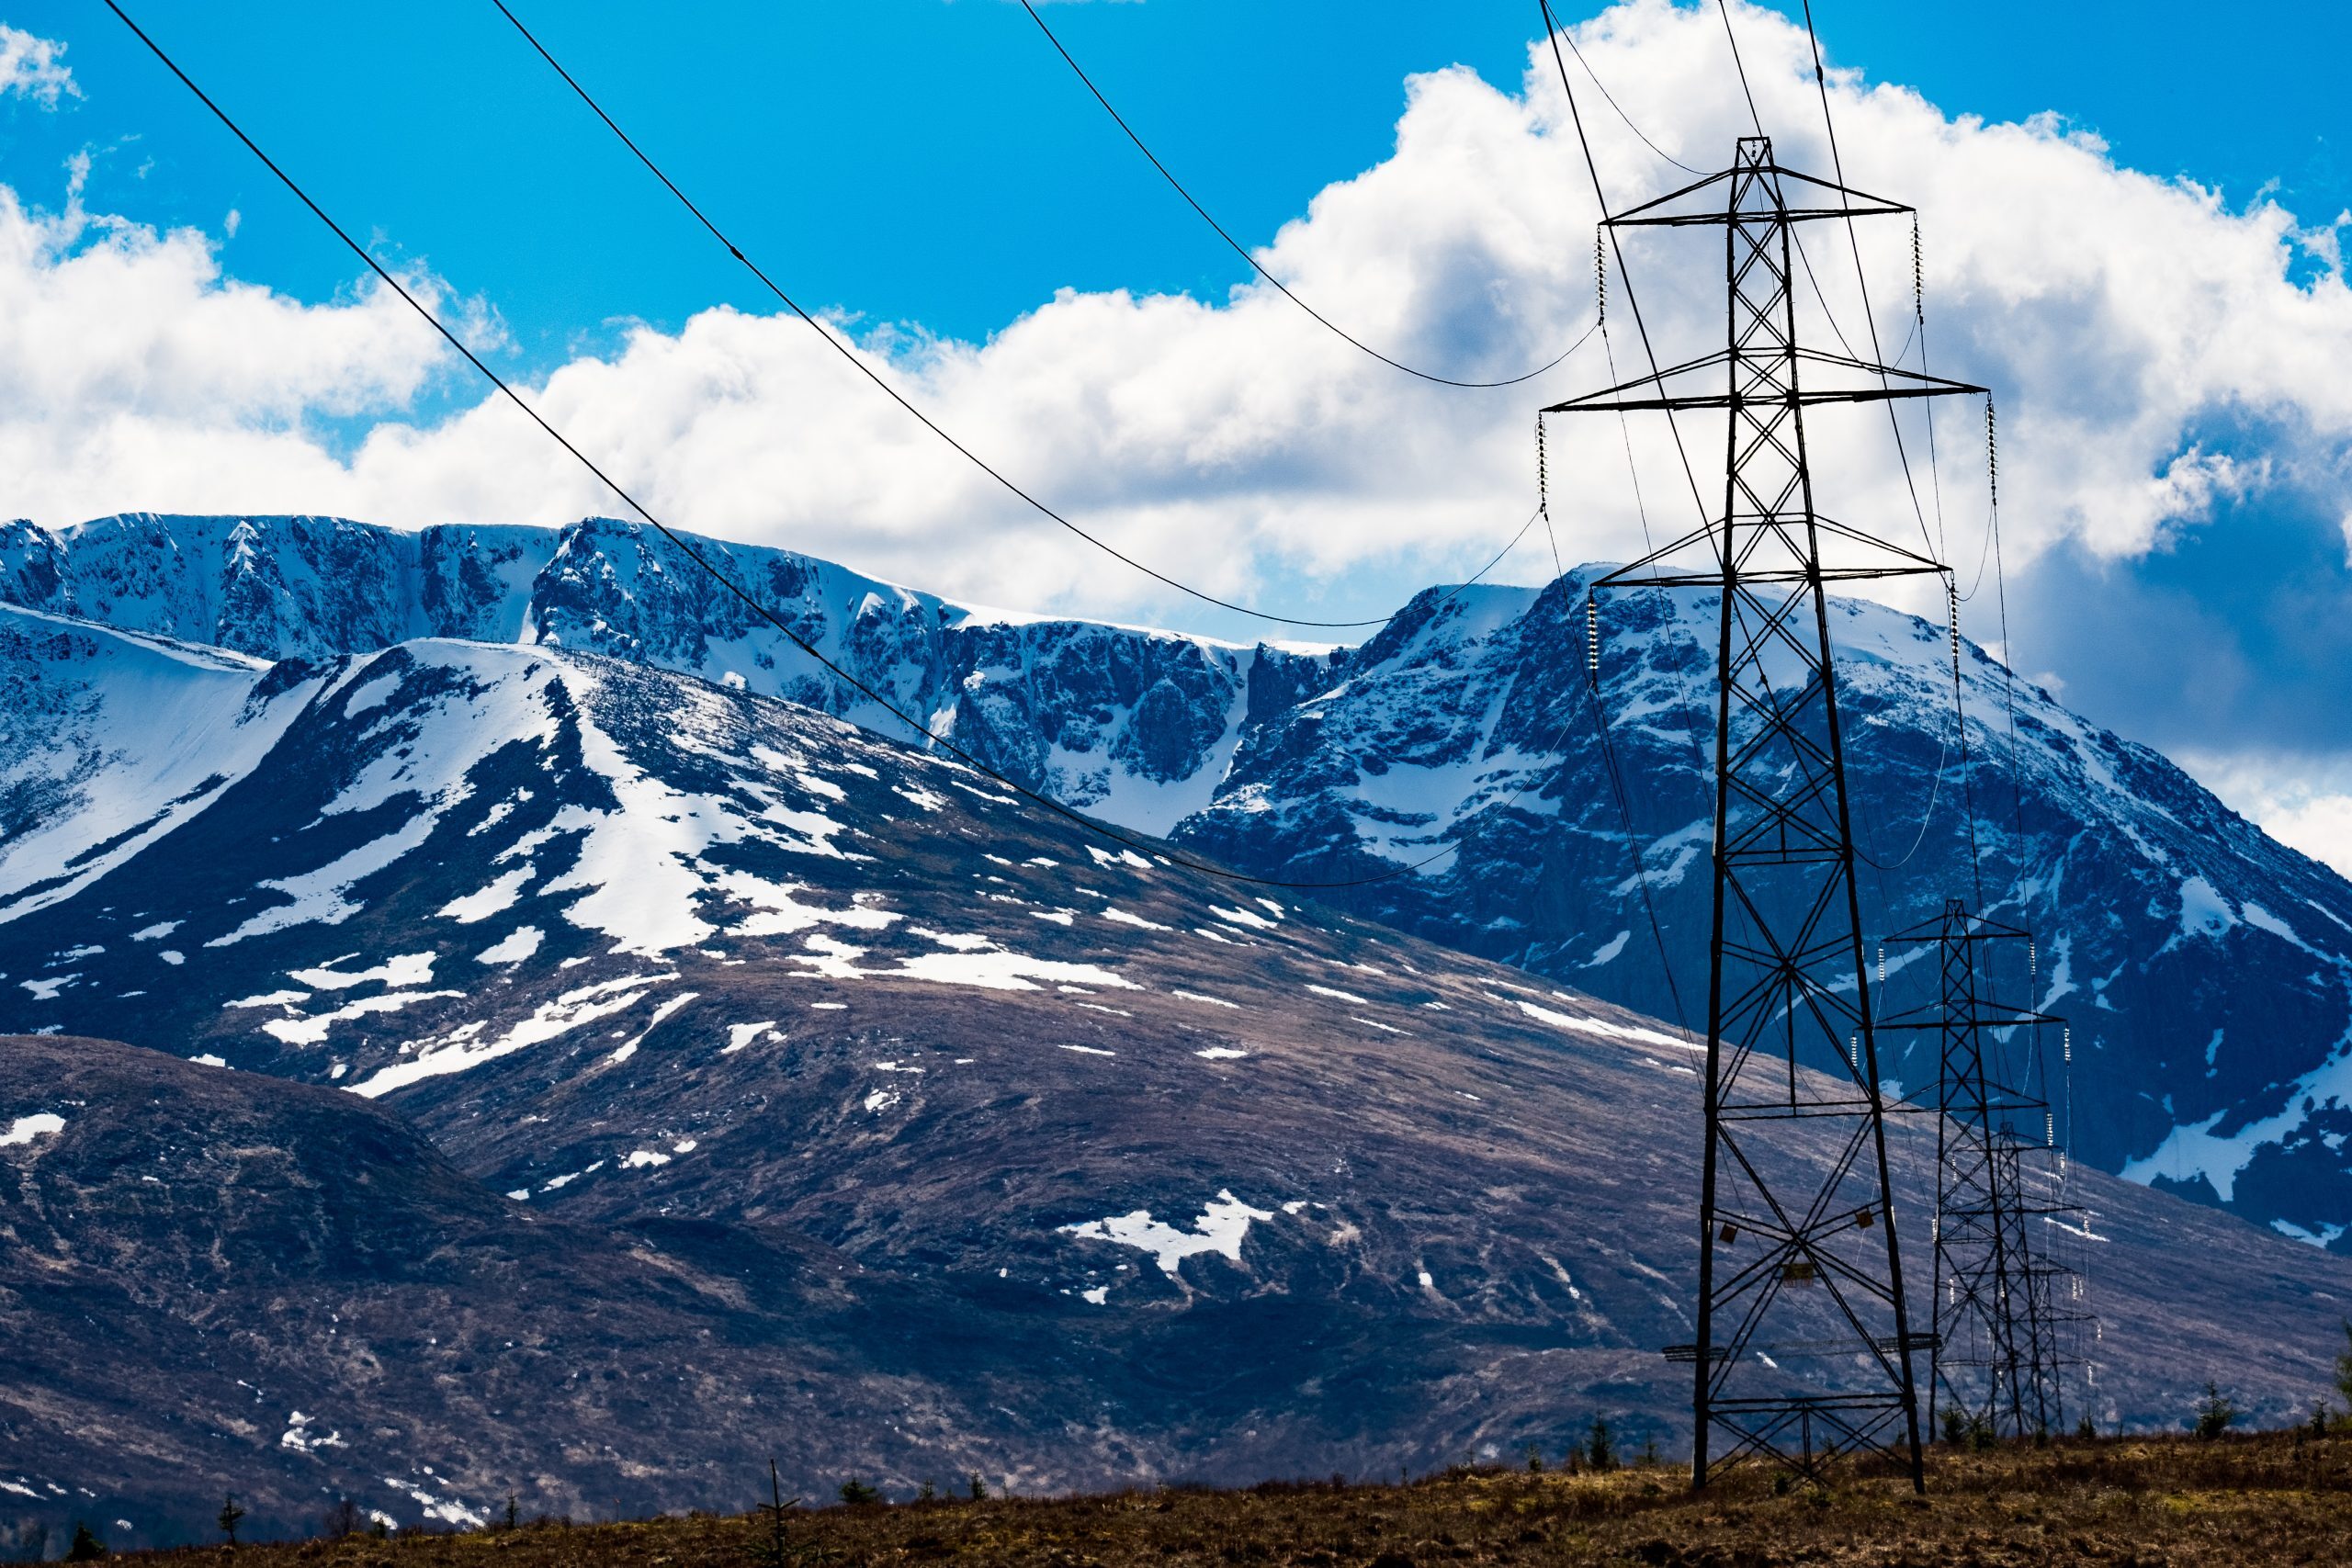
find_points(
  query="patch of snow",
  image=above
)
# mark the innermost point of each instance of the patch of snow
(500, 894)
(962, 941)
(1605, 1029)
(1608, 950)
(312, 1031)
(513, 948)
(298, 1436)
(1087, 1050)
(2203, 910)
(638, 1159)
(742, 1035)
(318, 896)
(159, 928)
(273, 999)
(1241, 917)
(624, 1052)
(997, 971)
(45, 989)
(1338, 996)
(405, 969)
(461, 1050)
(25, 1129)
(1213, 1001)
(1222, 1225)
(1221, 1053)
(555, 1183)
(1125, 918)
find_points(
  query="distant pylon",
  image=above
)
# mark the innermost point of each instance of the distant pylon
(2000, 1300)
(1803, 1339)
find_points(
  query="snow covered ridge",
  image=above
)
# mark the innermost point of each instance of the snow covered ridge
(1132, 724)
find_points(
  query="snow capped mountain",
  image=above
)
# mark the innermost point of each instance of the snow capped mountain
(1009, 1150)
(1134, 725)
(2207, 970)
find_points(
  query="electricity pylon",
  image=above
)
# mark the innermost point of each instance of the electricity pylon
(1804, 1338)
(1997, 1293)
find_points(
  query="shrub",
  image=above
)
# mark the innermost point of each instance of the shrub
(342, 1520)
(2215, 1414)
(858, 1495)
(86, 1548)
(976, 1488)
(228, 1516)
(1599, 1449)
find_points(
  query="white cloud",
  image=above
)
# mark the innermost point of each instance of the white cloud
(2320, 826)
(1235, 441)
(2303, 802)
(31, 67)
(139, 376)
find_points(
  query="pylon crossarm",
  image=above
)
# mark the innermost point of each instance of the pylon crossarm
(1649, 214)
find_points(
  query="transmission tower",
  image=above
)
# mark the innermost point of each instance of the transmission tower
(1804, 1340)
(2000, 1300)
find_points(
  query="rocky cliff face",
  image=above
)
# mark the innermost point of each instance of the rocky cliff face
(1135, 725)
(2204, 967)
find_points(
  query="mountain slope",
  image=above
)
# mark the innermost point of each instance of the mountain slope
(218, 1281)
(1149, 1175)
(2206, 969)
(2203, 965)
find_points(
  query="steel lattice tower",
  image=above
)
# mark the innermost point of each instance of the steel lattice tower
(1998, 1311)
(1804, 1340)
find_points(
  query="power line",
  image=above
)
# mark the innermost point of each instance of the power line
(929, 423)
(1552, 31)
(702, 561)
(1853, 239)
(866, 370)
(1243, 251)
(1611, 100)
(1741, 66)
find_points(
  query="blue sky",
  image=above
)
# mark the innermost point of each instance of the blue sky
(930, 171)
(933, 161)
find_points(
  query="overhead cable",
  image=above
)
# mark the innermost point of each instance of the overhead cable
(1245, 253)
(686, 547)
(1611, 100)
(868, 371)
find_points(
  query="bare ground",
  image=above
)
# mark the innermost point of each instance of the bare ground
(2135, 1502)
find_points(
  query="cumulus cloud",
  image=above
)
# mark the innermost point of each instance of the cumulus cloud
(33, 68)
(2112, 310)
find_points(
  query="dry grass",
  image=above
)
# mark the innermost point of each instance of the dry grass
(2271, 1498)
